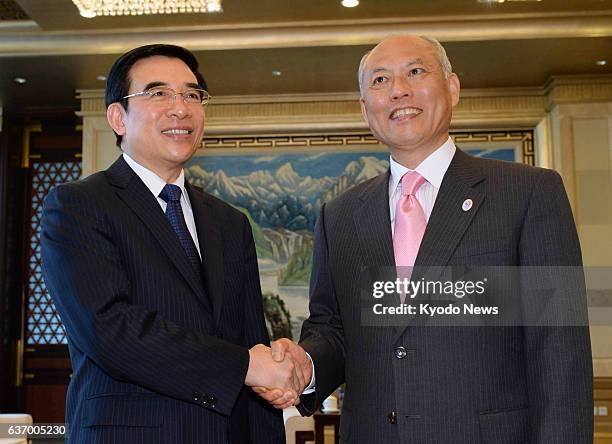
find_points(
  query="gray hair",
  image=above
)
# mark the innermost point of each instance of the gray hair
(445, 64)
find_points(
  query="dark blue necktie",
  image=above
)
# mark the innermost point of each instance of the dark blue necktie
(171, 194)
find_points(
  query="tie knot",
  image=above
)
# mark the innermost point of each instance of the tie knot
(170, 192)
(411, 182)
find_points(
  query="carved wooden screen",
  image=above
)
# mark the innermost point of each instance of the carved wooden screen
(43, 325)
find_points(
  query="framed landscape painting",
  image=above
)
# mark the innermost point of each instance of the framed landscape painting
(281, 192)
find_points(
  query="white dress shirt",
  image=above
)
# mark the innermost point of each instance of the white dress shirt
(155, 184)
(433, 169)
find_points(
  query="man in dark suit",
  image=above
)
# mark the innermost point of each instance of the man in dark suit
(156, 281)
(436, 206)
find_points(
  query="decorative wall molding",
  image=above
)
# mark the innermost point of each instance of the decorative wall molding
(506, 108)
(291, 141)
(279, 124)
(523, 138)
(307, 34)
(578, 89)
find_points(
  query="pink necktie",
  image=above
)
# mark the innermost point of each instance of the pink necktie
(409, 225)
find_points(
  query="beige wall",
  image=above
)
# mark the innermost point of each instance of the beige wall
(583, 153)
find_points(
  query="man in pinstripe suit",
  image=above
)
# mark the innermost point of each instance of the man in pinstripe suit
(419, 384)
(163, 311)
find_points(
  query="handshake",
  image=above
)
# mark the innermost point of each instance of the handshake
(279, 374)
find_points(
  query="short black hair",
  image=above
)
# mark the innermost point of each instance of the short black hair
(118, 80)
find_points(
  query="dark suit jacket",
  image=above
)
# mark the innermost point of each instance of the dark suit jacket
(158, 355)
(506, 384)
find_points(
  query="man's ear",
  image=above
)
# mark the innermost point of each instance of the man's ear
(364, 111)
(454, 87)
(116, 117)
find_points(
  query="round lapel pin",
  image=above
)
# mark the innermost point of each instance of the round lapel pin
(467, 205)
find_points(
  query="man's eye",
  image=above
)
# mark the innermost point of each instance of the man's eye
(416, 71)
(192, 95)
(378, 80)
(158, 93)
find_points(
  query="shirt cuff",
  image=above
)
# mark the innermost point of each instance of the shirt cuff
(311, 387)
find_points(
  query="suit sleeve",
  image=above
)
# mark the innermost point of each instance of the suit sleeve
(322, 333)
(85, 274)
(559, 365)
(265, 422)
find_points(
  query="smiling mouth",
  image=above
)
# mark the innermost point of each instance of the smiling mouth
(177, 132)
(405, 112)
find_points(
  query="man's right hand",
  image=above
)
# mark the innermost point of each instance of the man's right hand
(283, 376)
(284, 349)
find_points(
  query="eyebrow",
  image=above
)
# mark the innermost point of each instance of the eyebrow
(150, 85)
(193, 85)
(155, 84)
(410, 63)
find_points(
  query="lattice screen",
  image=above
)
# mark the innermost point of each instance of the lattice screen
(43, 325)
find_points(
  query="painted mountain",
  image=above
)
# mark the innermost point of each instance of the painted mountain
(281, 197)
(282, 194)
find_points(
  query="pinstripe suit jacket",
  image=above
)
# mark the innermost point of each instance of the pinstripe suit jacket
(157, 355)
(453, 384)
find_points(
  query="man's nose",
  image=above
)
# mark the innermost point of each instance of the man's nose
(178, 107)
(401, 88)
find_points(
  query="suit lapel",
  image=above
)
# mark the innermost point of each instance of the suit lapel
(448, 220)
(211, 247)
(139, 198)
(373, 224)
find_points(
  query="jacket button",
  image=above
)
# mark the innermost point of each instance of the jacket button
(400, 352)
(197, 397)
(391, 418)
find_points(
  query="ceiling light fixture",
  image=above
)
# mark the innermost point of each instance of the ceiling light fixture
(94, 8)
(20, 80)
(276, 72)
(601, 62)
(101, 78)
(87, 13)
(350, 3)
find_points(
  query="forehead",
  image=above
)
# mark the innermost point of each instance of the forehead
(168, 70)
(399, 51)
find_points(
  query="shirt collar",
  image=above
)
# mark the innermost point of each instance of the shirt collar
(153, 182)
(432, 168)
